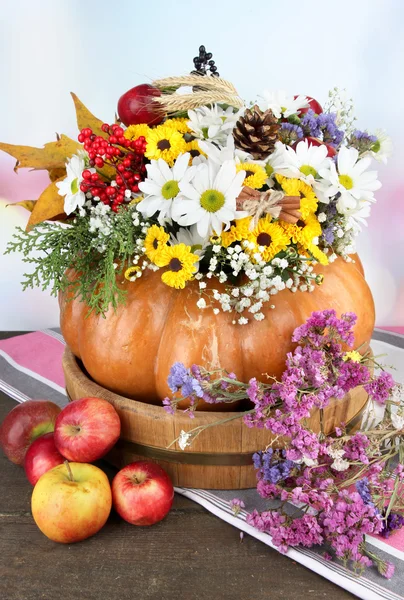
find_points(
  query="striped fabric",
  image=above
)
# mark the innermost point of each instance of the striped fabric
(30, 367)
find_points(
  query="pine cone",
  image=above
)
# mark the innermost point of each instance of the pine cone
(256, 132)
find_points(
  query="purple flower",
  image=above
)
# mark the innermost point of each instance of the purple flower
(177, 376)
(328, 235)
(310, 125)
(331, 134)
(236, 505)
(393, 522)
(168, 407)
(379, 389)
(362, 487)
(362, 141)
(386, 569)
(289, 133)
(273, 466)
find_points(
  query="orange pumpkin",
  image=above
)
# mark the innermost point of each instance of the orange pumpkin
(131, 350)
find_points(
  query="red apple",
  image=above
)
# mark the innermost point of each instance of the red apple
(41, 456)
(313, 105)
(142, 493)
(24, 424)
(86, 429)
(71, 502)
(137, 106)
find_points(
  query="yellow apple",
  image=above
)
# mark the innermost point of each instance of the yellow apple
(71, 502)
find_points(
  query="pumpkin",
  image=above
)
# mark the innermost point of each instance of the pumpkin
(130, 351)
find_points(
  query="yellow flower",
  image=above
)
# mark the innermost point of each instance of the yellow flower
(164, 142)
(155, 241)
(135, 131)
(255, 175)
(310, 249)
(271, 237)
(297, 187)
(353, 355)
(239, 230)
(305, 230)
(194, 149)
(136, 200)
(180, 125)
(130, 273)
(179, 261)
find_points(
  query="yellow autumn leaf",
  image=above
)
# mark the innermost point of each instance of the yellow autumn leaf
(52, 156)
(49, 206)
(85, 118)
(57, 173)
(27, 204)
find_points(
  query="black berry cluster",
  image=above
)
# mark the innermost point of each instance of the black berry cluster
(204, 63)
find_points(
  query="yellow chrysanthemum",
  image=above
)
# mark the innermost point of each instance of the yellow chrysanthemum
(136, 200)
(255, 175)
(135, 131)
(239, 230)
(130, 273)
(179, 261)
(310, 249)
(155, 242)
(164, 142)
(194, 149)
(352, 355)
(305, 230)
(269, 238)
(297, 187)
(180, 125)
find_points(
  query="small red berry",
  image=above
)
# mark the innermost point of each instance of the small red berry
(86, 174)
(99, 162)
(110, 190)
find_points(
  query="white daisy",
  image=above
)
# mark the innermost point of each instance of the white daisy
(349, 179)
(305, 161)
(162, 186)
(209, 200)
(70, 186)
(190, 237)
(281, 104)
(275, 162)
(219, 154)
(212, 123)
(356, 218)
(383, 148)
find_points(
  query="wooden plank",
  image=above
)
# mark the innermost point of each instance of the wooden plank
(191, 555)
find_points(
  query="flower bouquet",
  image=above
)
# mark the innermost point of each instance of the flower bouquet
(199, 244)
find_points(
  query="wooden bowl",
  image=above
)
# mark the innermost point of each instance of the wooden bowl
(219, 458)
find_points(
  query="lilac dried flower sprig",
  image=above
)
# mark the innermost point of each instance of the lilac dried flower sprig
(346, 485)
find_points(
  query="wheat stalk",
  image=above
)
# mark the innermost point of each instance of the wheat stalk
(180, 102)
(204, 82)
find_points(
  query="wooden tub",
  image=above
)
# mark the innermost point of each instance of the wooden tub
(219, 458)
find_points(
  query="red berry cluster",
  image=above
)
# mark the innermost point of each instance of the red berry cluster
(126, 156)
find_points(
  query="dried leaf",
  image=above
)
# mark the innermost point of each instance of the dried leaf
(27, 204)
(52, 156)
(57, 174)
(49, 206)
(85, 118)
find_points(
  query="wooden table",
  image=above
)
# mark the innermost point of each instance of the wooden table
(191, 555)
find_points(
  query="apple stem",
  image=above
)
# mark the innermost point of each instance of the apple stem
(69, 471)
